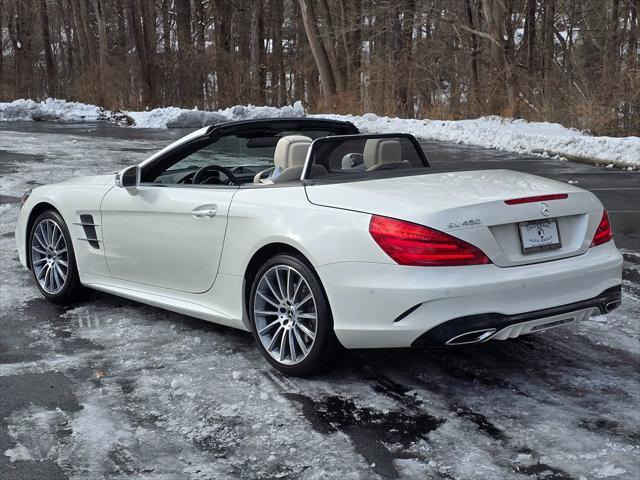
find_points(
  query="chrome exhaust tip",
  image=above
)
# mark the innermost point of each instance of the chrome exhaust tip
(609, 306)
(476, 336)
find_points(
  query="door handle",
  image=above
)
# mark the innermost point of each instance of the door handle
(205, 211)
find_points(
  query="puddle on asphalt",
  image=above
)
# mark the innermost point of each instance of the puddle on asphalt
(369, 430)
(480, 421)
(13, 162)
(9, 199)
(543, 471)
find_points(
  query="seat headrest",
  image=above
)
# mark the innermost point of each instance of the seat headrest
(291, 151)
(382, 150)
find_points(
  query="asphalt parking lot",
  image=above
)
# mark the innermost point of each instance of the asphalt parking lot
(113, 389)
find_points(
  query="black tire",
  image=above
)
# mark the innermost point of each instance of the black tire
(323, 351)
(72, 290)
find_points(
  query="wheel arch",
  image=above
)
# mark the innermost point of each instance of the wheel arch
(257, 260)
(35, 212)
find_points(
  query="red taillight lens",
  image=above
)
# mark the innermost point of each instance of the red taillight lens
(603, 232)
(411, 244)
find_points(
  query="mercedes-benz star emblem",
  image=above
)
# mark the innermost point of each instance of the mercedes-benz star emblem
(544, 209)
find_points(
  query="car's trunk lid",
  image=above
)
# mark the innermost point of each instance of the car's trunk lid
(471, 206)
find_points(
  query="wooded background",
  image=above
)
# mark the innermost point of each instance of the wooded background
(569, 61)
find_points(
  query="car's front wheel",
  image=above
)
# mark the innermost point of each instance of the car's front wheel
(52, 259)
(291, 318)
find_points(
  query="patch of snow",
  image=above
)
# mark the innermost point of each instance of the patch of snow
(50, 109)
(608, 470)
(19, 452)
(34, 431)
(173, 117)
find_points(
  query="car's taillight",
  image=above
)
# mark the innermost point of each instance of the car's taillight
(538, 198)
(411, 244)
(603, 232)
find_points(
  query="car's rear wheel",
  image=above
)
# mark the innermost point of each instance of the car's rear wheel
(52, 259)
(291, 318)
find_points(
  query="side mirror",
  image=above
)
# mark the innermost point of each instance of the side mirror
(128, 177)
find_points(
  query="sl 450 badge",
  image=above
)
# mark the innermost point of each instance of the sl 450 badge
(466, 223)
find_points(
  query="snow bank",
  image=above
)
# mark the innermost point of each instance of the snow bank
(50, 109)
(518, 136)
(172, 117)
(169, 117)
(511, 135)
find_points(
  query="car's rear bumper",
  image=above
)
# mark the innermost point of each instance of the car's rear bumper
(385, 305)
(488, 326)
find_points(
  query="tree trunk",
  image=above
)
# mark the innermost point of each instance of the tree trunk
(327, 80)
(85, 22)
(548, 51)
(530, 43)
(475, 72)
(405, 104)
(149, 38)
(185, 53)
(277, 65)
(48, 52)
(138, 39)
(223, 53)
(98, 8)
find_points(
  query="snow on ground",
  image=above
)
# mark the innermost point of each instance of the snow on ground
(50, 109)
(512, 135)
(173, 117)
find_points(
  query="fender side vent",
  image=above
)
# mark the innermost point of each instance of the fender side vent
(408, 312)
(89, 228)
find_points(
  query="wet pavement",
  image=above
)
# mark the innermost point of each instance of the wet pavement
(113, 389)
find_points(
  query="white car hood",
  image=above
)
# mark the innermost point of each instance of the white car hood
(90, 180)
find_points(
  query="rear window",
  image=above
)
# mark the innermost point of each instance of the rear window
(362, 155)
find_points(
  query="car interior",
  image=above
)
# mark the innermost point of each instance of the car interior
(280, 158)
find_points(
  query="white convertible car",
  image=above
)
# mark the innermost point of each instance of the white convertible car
(313, 236)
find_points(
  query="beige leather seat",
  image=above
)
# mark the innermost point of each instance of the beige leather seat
(291, 152)
(378, 151)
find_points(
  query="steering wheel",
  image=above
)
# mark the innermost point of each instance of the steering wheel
(200, 175)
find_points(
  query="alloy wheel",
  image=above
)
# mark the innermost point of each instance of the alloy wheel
(285, 314)
(49, 256)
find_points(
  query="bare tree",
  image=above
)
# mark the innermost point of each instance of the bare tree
(571, 61)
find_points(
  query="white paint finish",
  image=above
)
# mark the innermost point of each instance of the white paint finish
(365, 298)
(71, 199)
(151, 236)
(282, 214)
(90, 180)
(416, 196)
(210, 307)
(444, 201)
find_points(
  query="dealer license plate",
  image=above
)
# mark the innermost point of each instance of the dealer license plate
(539, 235)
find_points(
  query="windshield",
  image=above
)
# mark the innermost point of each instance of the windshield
(362, 155)
(233, 151)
